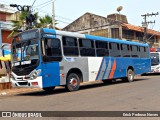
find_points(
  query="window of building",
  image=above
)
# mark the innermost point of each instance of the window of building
(102, 48)
(150, 38)
(70, 47)
(139, 36)
(86, 47)
(128, 34)
(115, 32)
(156, 39)
(114, 50)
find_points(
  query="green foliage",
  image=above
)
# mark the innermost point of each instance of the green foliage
(45, 21)
(38, 22)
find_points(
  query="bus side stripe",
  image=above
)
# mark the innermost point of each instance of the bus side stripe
(100, 68)
(106, 73)
(113, 69)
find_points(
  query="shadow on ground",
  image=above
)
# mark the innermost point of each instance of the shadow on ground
(83, 87)
(151, 74)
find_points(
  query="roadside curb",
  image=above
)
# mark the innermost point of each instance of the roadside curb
(14, 91)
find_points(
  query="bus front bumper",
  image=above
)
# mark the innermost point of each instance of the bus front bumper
(36, 83)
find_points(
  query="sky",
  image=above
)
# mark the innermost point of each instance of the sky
(67, 11)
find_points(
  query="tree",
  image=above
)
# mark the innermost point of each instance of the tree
(46, 21)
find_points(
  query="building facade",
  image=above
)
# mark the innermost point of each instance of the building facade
(113, 26)
(7, 16)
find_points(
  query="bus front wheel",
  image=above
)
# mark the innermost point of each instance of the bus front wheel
(72, 82)
(130, 76)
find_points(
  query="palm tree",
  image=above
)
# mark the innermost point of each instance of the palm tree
(19, 24)
(46, 21)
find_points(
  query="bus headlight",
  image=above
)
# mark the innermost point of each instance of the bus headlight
(158, 68)
(35, 74)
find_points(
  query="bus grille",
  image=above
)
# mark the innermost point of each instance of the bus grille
(22, 83)
(25, 71)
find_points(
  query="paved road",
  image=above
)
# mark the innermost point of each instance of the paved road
(141, 95)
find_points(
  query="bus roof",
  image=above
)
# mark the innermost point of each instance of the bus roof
(87, 36)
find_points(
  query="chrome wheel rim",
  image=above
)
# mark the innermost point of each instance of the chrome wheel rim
(130, 75)
(73, 82)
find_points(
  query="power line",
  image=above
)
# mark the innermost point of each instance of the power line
(43, 3)
(62, 21)
(152, 35)
(63, 18)
(33, 3)
(42, 11)
(56, 16)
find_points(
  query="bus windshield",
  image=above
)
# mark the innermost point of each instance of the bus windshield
(154, 59)
(25, 53)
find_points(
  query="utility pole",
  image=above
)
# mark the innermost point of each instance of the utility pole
(53, 15)
(145, 24)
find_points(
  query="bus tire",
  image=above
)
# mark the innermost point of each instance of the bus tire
(72, 82)
(130, 76)
(49, 89)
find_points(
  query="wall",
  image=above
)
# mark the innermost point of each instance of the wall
(102, 32)
(86, 22)
(2, 16)
(5, 34)
(13, 17)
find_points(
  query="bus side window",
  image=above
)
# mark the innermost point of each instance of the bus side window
(102, 48)
(52, 50)
(143, 52)
(125, 51)
(134, 52)
(115, 50)
(86, 47)
(70, 47)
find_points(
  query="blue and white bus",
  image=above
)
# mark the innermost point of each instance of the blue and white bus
(46, 58)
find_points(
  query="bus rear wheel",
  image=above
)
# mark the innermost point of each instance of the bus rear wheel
(72, 82)
(130, 76)
(49, 89)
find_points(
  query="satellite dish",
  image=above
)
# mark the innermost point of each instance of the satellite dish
(119, 8)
